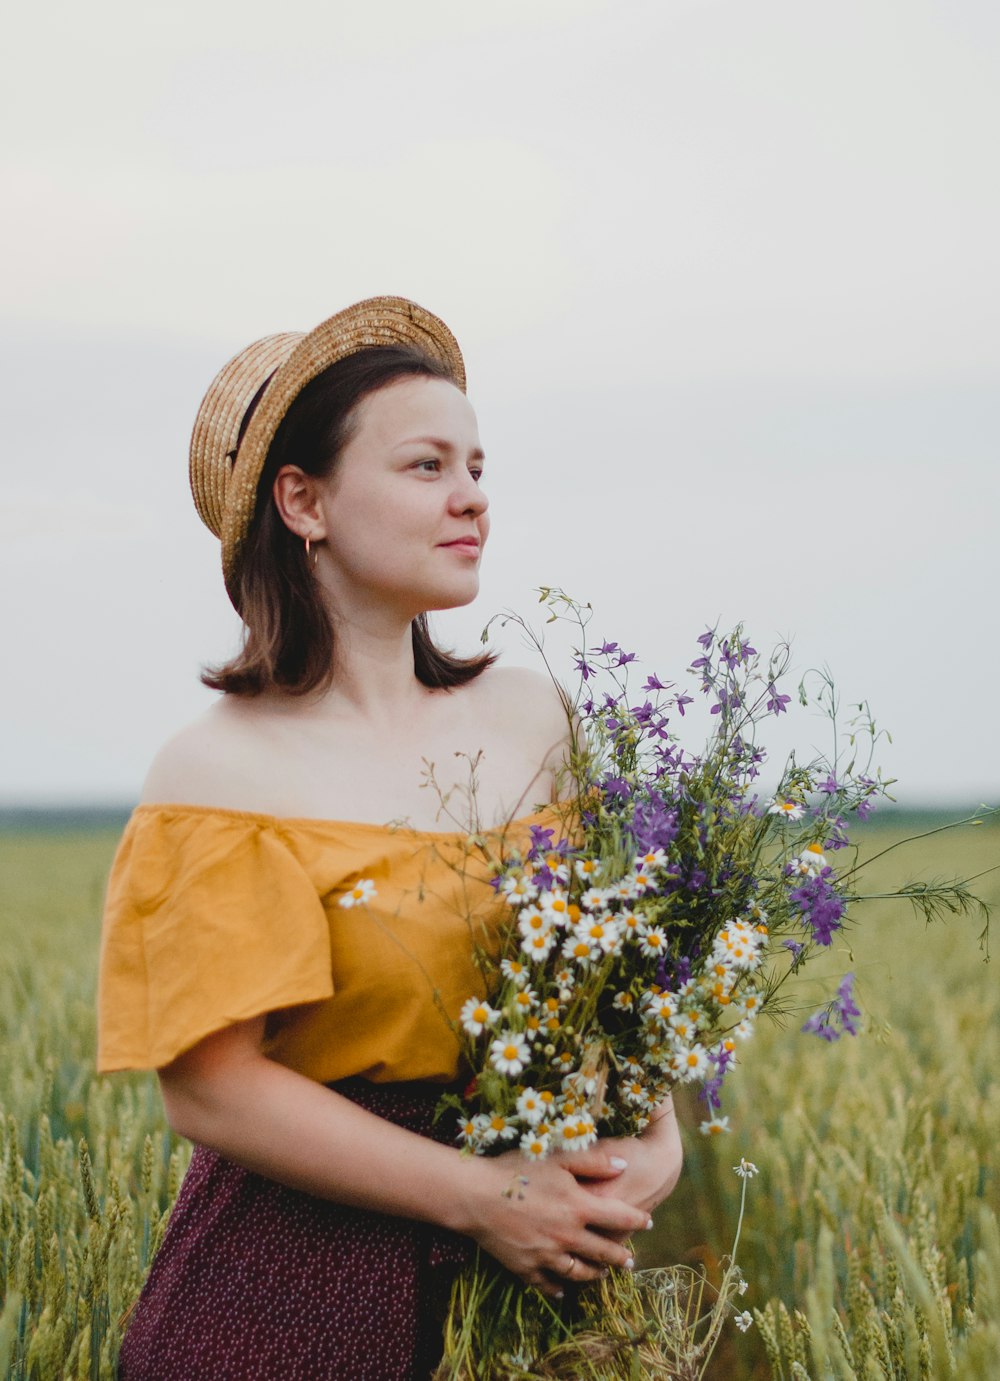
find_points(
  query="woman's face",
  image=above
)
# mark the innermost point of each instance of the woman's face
(404, 515)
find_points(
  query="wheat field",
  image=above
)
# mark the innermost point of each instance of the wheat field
(871, 1243)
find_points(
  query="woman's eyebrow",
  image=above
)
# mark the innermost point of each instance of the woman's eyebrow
(477, 454)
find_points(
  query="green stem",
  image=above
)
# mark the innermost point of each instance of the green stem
(913, 838)
(739, 1221)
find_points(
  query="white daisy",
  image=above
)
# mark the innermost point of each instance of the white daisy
(663, 1008)
(476, 1015)
(534, 1144)
(692, 1062)
(530, 1107)
(685, 1025)
(579, 949)
(601, 932)
(809, 862)
(654, 858)
(558, 867)
(360, 894)
(555, 904)
(501, 1128)
(538, 945)
(594, 899)
(574, 1133)
(654, 942)
(641, 881)
(748, 1003)
(746, 1169)
(515, 970)
(509, 1053)
(588, 869)
(532, 921)
(469, 1132)
(636, 1093)
(518, 889)
(632, 924)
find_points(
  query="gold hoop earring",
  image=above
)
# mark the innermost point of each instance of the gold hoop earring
(315, 555)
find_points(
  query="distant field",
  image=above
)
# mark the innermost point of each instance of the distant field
(874, 1214)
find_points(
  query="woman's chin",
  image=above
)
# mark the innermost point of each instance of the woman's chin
(456, 598)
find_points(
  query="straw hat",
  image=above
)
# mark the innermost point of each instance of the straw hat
(223, 479)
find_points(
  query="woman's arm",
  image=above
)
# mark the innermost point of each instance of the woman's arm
(226, 1094)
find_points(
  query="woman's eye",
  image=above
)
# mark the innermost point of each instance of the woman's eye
(475, 473)
(432, 463)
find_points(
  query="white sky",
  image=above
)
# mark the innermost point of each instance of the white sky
(724, 274)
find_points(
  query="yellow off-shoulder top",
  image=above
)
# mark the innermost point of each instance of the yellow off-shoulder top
(214, 916)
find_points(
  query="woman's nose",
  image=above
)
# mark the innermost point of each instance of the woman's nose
(467, 497)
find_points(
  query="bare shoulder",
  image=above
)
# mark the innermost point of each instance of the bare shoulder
(526, 697)
(206, 763)
(526, 715)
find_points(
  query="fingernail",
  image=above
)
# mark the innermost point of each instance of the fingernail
(649, 1224)
(630, 1263)
(617, 1163)
(559, 1294)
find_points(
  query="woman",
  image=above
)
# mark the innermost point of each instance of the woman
(302, 1041)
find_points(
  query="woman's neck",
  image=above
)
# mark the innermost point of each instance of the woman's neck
(373, 675)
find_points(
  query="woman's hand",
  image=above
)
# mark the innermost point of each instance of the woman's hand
(654, 1162)
(542, 1221)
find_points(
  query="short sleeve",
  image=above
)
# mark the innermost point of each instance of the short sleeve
(210, 919)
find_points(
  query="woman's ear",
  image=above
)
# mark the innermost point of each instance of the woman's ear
(296, 497)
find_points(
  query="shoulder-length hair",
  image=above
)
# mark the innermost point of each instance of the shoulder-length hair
(288, 638)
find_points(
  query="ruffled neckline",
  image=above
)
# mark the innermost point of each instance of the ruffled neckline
(550, 809)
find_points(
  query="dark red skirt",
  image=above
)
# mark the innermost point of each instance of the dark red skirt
(256, 1282)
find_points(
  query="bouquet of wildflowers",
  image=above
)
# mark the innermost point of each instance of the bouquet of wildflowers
(645, 939)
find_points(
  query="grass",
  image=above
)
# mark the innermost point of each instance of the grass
(871, 1242)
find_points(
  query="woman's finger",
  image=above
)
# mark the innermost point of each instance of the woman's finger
(595, 1164)
(599, 1253)
(615, 1216)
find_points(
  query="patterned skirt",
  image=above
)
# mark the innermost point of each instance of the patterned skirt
(257, 1282)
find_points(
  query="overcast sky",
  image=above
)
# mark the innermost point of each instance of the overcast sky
(724, 273)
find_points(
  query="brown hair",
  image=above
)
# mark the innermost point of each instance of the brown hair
(287, 635)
